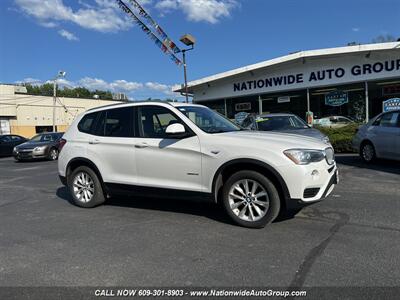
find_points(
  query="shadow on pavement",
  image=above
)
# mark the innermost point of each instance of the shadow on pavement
(381, 165)
(201, 208)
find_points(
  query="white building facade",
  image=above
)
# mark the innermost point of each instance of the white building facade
(357, 81)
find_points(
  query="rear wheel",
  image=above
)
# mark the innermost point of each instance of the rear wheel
(53, 154)
(85, 188)
(250, 199)
(367, 152)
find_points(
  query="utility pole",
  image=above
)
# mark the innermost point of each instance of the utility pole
(185, 75)
(59, 75)
(54, 103)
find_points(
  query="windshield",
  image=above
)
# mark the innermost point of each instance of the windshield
(208, 120)
(50, 137)
(281, 123)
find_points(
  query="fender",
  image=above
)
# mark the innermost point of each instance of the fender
(217, 180)
(87, 162)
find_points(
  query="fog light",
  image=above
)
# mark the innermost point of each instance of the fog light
(315, 174)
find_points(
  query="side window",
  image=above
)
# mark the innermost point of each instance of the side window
(389, 120)
(15, 138)
(87, 122)
(154, 120)
(119, 122)
(5, 139)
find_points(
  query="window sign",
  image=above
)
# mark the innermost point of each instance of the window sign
(391, 104)
(243, 106)
(284, 99)
(336, 98)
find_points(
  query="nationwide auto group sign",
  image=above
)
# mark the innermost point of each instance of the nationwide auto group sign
(356, 71)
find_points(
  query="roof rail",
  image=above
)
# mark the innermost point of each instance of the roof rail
(131, 102)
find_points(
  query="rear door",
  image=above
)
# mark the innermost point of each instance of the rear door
(110, 144)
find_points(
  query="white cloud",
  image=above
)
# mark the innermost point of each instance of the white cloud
(103, 16)
(68, 35)
(134, 89)
(210, 11)
(355, 29)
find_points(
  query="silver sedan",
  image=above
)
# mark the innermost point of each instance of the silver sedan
(380, 137)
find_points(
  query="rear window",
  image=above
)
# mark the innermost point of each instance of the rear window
(117, 122)
(87, 123)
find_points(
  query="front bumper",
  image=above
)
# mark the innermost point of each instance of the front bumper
(29, 154)
(293, 203)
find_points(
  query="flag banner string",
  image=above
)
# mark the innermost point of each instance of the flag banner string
(160, 44)
(161, 33)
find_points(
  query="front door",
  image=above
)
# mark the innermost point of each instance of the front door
(386, 135)
(161, 161)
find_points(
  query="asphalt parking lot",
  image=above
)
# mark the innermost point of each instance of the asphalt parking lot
(350, 239)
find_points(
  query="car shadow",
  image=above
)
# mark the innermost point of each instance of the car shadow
(382, 165)
(202, 208)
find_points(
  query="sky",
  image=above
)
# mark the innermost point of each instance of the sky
(101, 48)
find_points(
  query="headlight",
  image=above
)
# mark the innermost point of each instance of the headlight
(304, 156)
(326, 140)
(330, 156)
(38, 149)
(15, 149)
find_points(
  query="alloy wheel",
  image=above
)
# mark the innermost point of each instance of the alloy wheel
(83, 187)
(53, 154)
(368, 152)
(248, 200)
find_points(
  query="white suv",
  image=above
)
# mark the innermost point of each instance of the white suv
(175, 149)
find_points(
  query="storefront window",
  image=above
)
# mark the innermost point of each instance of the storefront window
(339, 101)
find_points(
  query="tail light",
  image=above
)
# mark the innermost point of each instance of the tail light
(61, 144)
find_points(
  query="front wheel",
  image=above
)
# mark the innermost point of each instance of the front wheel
(250, 199)
(85, 188)
(367, 152)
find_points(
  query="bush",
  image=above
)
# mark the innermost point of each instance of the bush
(340, 137)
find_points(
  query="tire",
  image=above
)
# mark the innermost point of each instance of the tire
(367, 152)
(53, 154)
(259, 208)
(84, 179)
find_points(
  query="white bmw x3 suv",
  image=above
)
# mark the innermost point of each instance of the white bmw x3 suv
(175, 149)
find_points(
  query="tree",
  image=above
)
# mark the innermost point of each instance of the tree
(384, 39)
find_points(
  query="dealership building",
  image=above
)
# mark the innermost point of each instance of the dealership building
(26, 115)
(356, 81)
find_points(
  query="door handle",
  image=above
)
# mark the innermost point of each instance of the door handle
(94, 142)
(141, 146)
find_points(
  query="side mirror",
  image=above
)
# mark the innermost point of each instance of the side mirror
(176, 130)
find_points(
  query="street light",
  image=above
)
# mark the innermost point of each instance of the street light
(189, 41)
(61, 74)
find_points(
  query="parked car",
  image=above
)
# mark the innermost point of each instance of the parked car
(379, 138)
(333, 121)
(287, 123)
(175, 149)
(8, 142)
(44, 145)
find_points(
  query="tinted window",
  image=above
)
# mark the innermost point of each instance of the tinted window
(16, 138)
(119, 122)
(389, 120)
(5, 139)
(153, 120)
(87, 122)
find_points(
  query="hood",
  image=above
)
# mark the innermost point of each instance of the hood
(31, 145)
(284, 140)
(311, 132)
